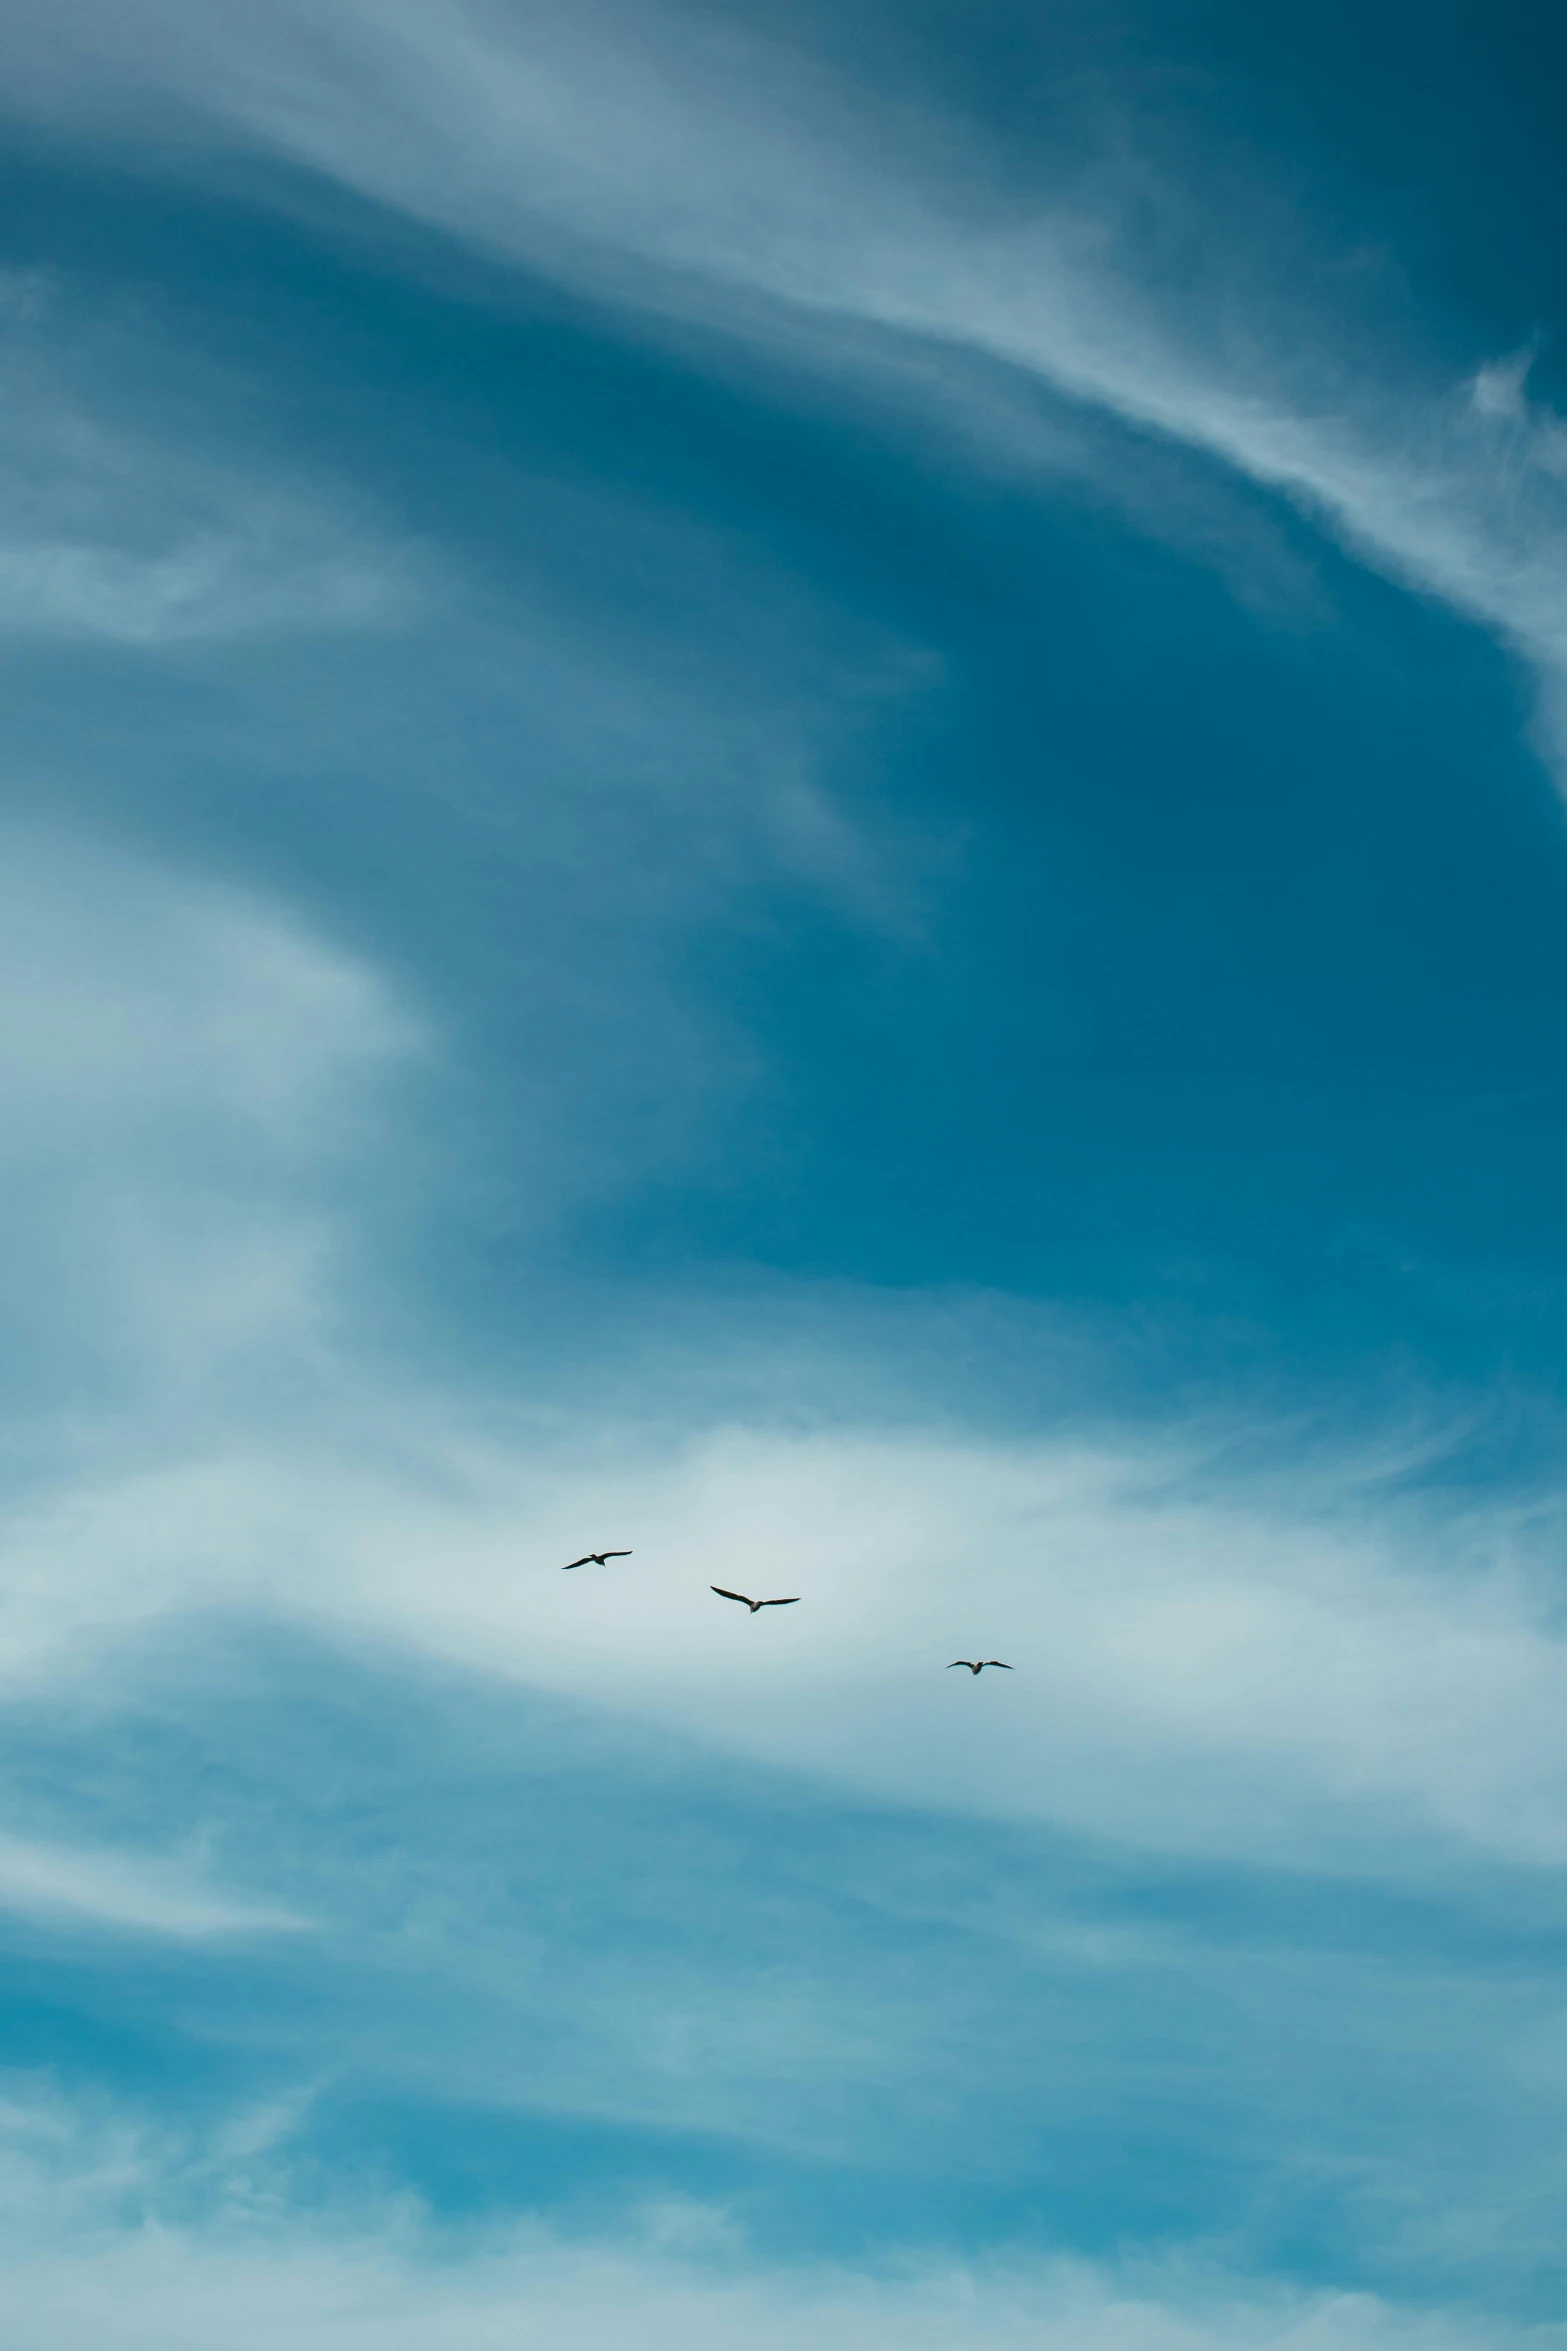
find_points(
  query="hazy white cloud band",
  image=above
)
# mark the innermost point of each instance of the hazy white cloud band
(121, 1893)
(114, 2238)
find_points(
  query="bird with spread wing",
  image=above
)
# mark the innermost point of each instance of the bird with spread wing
(753, 1605)
(978, 1665)
(594, 1558)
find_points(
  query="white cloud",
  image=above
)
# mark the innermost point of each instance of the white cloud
(590, 697)
(119, 1891)
(1297, 1677)
(189, 1073)
(103, 2245)
(1497, 390)
(251, 572)
(171, 2292)
(1304, 1670)
(130, 994)
(750, 179)
(123, 525)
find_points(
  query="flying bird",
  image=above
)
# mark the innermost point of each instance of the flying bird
(978, 1665)
(753, 1605)
(597, 1557)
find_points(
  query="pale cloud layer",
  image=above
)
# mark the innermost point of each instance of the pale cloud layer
(1309, 1678)
(103, 2245)
(188, 1068)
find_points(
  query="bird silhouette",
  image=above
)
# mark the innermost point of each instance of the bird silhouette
(979, 1665)
(596, 1557)
(753, 1605)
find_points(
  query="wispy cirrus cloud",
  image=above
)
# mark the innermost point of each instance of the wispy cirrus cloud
(124, 528)
(745, 176)
(123, 1894)
(186, 1067)
(540, 1918)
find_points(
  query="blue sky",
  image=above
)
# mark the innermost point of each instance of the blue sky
(786, 786)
